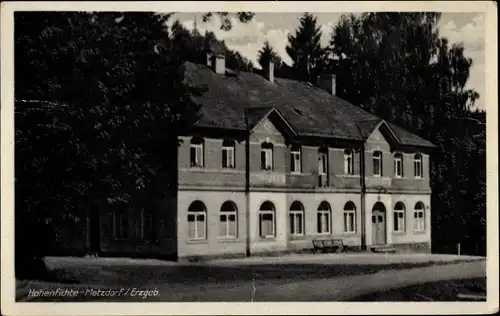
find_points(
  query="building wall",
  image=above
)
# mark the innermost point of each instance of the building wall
(409, 235)
(311, 201)
(213, 186)
(213, 244)
(165, 229)
(389, 201)
(279, 243)
(212, 173)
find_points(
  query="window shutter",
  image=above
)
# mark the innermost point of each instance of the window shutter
(193, 156)
(224, 158)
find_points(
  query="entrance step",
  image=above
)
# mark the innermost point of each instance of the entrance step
(383, 249)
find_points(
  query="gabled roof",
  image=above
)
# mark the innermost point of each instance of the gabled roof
(257, 115)
(309, 110)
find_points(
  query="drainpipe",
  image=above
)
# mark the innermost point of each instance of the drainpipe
(247, 183)
(362, 177)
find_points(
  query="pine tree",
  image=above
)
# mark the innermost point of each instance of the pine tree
(268, 54)
(304, 48)
(397, 66)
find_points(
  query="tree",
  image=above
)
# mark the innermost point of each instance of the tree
(304, 48)
(94, 126)
(225, 17)
(100, 81)
(267, 54)
(396, 66)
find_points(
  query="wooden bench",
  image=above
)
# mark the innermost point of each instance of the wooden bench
(328, 245)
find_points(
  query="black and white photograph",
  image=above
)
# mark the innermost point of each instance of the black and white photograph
(231, 153)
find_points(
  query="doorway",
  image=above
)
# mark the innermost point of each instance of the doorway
(378, 224)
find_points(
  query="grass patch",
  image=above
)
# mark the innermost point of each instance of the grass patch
(444, 291)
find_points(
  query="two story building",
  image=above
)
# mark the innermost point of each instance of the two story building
(273, 163)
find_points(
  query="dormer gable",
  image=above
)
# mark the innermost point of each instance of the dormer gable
(269, 121)
(383, 136)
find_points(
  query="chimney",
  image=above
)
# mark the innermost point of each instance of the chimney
(209, 59)
(269, 72)
(328, 82)
(218, 63)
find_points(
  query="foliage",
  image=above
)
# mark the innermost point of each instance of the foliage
(100, 101)
(268, 54)
(225, 17)
(192, 46)
(305, 50)
(396, 66)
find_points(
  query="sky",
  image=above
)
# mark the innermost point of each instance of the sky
(248, 39)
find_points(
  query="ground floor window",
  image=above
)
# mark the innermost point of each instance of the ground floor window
(297, 219)
(227, 220)
(419, 217)
(349, 217)
(399, 217)
(267, 220)
(324, 218)
(197, 226)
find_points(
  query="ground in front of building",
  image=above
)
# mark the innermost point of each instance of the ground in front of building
(228, 279)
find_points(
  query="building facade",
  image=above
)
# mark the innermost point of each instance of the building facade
(271, 165)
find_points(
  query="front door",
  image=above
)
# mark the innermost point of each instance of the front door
(378, 227)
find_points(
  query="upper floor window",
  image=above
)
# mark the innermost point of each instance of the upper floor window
(266, 156)
(417, 166)
(267, 220)
(227, 220)
(297, 219)
(295, 161)
(350, 217)
(323, 161)
(348, 161)
(228, 154)
(324, 218)
(196, 153)
(399, 217)
(398, 165)
(323, 167)
(197, 224)
(377, 163)
(419, 217)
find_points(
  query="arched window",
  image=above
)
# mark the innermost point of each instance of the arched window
(297, 219)
(398, 165)
(197, 223)
(228, 154)
(228, 224)
(419, 217)
(267, 220)
(324, 218)
(196, 152)
(349, 217)
(418, 166)
(399, 217)
(266, 156)
(377, 163)
(348, 161)
(295, 160)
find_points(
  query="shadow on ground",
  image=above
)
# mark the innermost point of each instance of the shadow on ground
(431, 291)
(127, 275)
